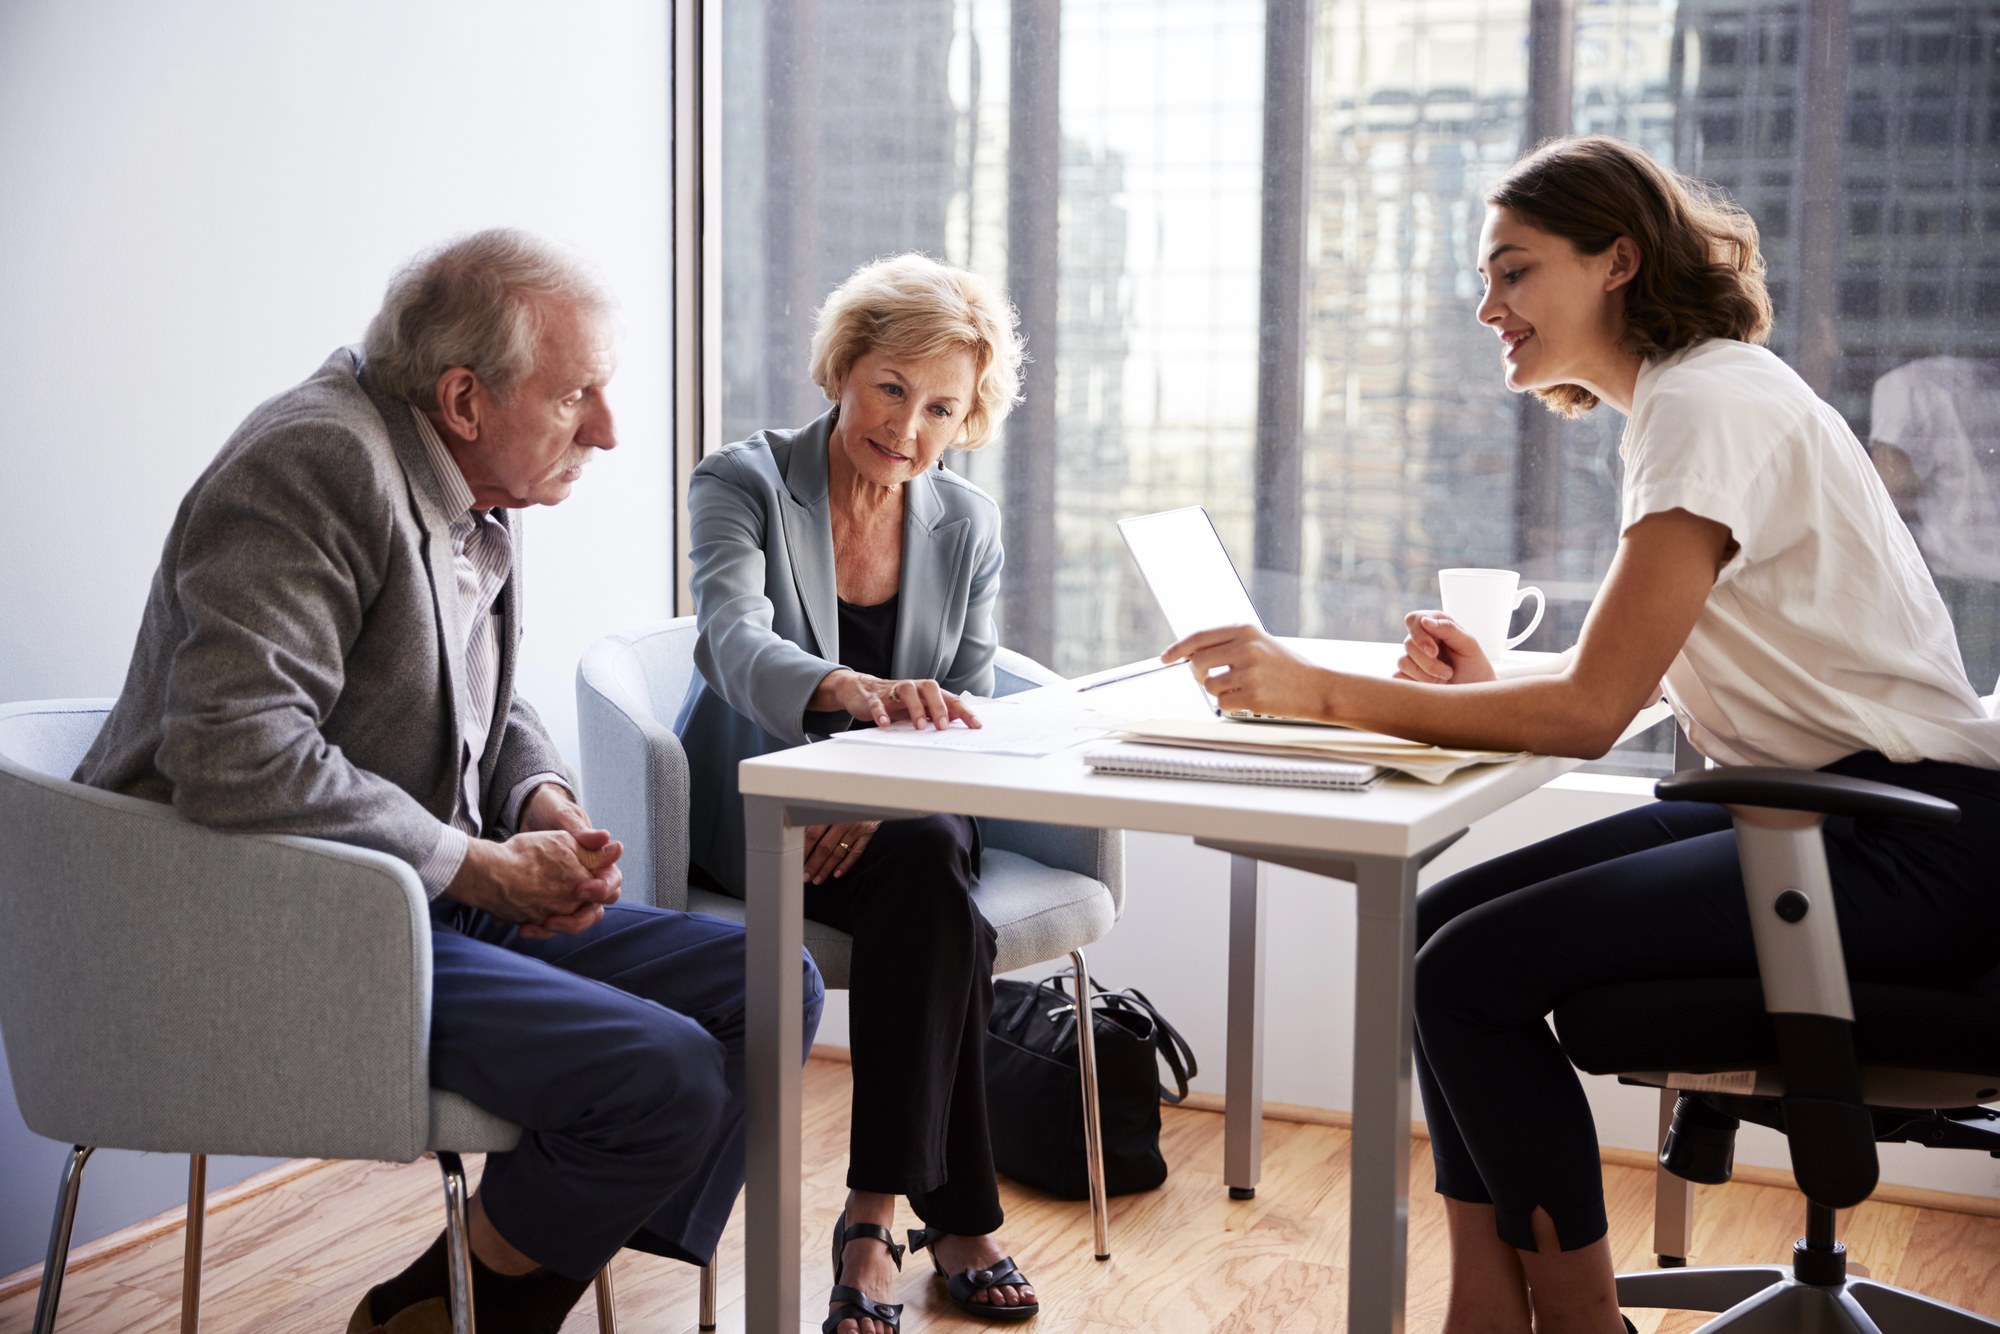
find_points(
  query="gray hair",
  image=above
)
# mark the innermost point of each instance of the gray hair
(476, 301)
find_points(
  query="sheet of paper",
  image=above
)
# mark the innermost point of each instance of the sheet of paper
(1418, 759)
(1039, 724)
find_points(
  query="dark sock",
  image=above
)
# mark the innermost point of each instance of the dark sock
(429, 1275)
(532, 1303)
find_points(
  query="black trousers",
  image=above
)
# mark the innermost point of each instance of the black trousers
(919, 995)
(1656, 893)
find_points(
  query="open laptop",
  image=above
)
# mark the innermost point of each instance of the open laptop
(1181, 558)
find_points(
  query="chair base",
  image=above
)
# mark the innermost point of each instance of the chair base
(1768, 1299)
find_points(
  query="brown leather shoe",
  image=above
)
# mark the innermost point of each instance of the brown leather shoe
(432, 1316)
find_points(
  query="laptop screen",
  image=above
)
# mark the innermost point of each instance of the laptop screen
(1189, 573)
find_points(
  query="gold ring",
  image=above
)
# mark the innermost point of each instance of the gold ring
(893, 689)
(843, 847)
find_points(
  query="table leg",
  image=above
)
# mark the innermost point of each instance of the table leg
(774, 868)
(1384, 1011)
(1243, 1118)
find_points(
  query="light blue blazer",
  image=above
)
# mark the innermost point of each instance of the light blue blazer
(768, 616)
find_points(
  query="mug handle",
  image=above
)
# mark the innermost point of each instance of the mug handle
(1540, 606)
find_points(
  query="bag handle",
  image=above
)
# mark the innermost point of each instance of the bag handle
(1174, 1048)
(1035, 997)
(1167, 1040)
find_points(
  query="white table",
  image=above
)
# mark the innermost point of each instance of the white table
(1378, 840)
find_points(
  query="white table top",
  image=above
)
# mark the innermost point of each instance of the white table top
(1400, 817)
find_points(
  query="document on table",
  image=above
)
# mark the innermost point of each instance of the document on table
(1033, 726)
(1433, 764)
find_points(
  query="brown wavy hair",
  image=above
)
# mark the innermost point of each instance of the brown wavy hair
(1700, 272)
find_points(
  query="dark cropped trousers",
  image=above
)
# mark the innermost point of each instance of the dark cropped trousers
(1656, 893)
(919, 995)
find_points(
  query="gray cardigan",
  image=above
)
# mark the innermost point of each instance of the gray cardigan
(768, 614)
(293, 674)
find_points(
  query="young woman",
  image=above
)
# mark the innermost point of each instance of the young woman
(1765, 583)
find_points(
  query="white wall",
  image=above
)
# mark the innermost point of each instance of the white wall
(1170, 945)
(198, 202)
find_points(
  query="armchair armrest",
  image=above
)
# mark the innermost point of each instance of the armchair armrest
(170, 988)
(1097, 853)
(636, 776)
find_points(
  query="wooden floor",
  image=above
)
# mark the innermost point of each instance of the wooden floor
(1185, 1258)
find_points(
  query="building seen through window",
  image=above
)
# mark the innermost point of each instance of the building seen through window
(1273, 317)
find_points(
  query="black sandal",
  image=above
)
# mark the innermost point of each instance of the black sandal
(960, 1287)
(854, 1303)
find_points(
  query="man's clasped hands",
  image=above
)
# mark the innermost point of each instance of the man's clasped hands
(552, 878)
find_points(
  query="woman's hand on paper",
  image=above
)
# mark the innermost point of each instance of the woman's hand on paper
(832, 849)
(1245, 668)
(1438, 651)
(875, 700)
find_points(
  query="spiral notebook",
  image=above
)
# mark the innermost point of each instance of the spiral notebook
(1218, 766)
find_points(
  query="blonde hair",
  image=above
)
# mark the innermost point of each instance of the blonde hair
(912, 306)
(476, 301)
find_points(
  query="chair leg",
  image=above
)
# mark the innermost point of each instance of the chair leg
(607, 1302)
(1673, 1200)
(707, 1320)
(458, 1241)
(58, 1257)
(1093, 1127)
(197, 1217)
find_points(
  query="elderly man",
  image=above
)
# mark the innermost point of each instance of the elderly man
(329, 648)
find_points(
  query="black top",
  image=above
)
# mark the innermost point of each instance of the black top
(868, 637)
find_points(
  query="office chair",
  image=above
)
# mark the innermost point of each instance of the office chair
(168, 988)
(1048, 890)
(1834, 1066)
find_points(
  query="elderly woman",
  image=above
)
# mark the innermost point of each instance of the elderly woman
(843, 579)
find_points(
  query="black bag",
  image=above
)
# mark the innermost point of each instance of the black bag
(1034, 1091)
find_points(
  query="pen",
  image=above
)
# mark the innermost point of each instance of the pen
(1114, 680)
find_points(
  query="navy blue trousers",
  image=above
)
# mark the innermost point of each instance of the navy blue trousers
(619, 1053)
(1655, 893)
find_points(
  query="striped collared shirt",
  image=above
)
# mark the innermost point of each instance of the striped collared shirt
(482, 557)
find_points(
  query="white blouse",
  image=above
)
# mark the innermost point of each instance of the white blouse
(1823, 634)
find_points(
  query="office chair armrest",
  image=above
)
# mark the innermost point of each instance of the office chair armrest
(170, 988)
(1779, 814)
(635, 777)
(1803, 790)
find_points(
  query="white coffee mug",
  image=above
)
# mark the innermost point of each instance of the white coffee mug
(1484, 601)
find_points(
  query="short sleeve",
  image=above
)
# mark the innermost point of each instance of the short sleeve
(1698, 447)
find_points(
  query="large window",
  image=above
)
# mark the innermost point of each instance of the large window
(1241, 239)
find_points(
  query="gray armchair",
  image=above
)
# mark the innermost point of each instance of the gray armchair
(168, 988)
(1048, 890)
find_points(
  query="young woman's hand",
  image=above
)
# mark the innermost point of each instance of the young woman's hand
(875, 700)
(1245, 668)
(1438, 651)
